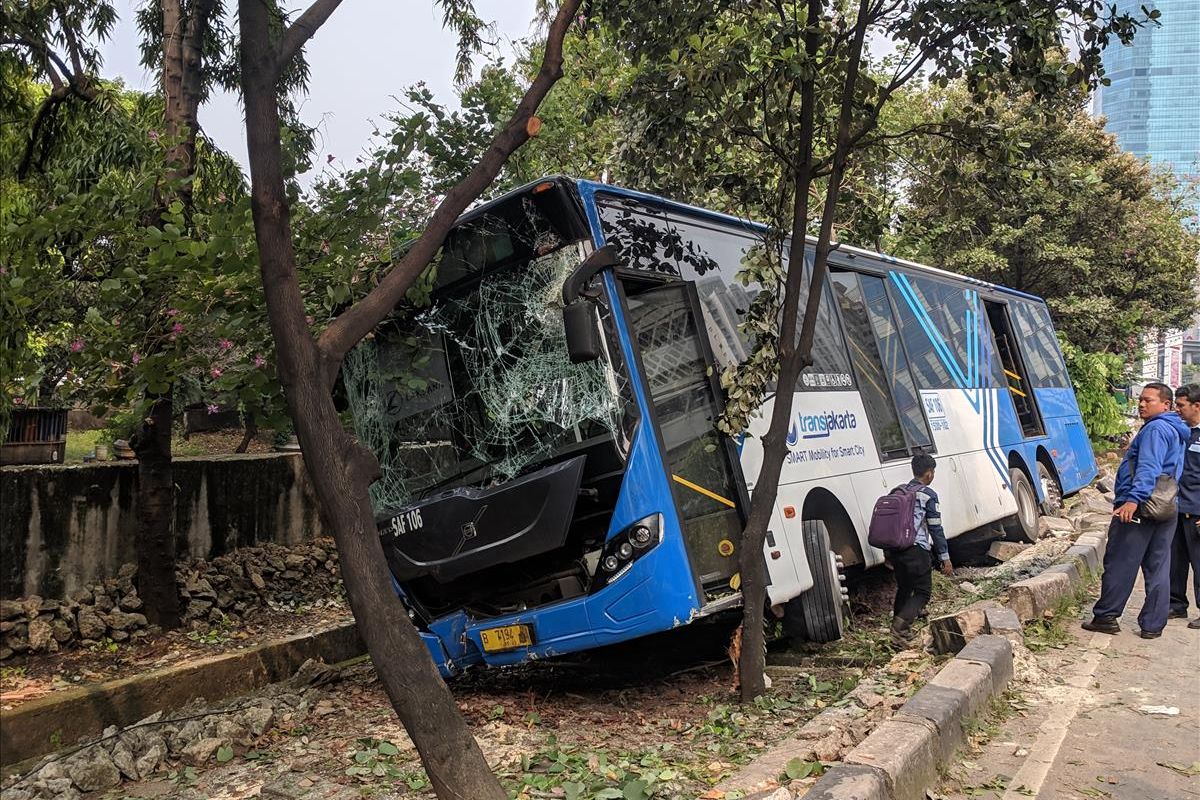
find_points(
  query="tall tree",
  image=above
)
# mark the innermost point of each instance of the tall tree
(341, 468)
(1062, 213)
(794, 83)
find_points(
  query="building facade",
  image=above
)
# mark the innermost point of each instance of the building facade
(1152, 103)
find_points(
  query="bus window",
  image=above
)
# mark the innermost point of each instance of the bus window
(1036, 334)
(873, 382)
(895, 363)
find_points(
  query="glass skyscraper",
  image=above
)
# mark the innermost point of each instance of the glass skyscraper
(1153, 102)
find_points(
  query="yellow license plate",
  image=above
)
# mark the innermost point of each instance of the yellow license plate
(510, 637)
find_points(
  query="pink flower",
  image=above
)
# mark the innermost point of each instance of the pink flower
(309, 320)
(211, 408)
(77, 345)
(259, 361)
(137, 357)
(177, 328)
(224, 344)
(170, 312)
(3, 270)
(221, 197)
(215, 372)
(153, 136)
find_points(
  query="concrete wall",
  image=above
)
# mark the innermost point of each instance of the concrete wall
(62, 527)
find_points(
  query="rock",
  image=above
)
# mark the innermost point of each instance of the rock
(197, 609)
(94, 771)
(1048, 524)
(1093, 501)
(224, 599)
(11, 609)
(1003, 551)
(123, 758)
(120, 621)
(40, 636)
(6, 653)
(91, 624)
(104, 602)
(257, 580)
(200, 751)
(782, 793)
(201, 588)
(319, 554)
(58, 788)
(15, 793)
(82, 595)
(127, 571)
(118, 636)
(969, 587)
(257, 719)
(295, 561)
(130, 602)
(149, 760)
(32, 606)
(1095, 522)
(61, 631)
(192, 731)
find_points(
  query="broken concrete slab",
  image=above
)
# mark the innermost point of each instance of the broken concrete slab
(1088, 553)
(952, 631)
(850, 782)
(906, 751)
(1003, 551)
(994, 652)
(1030, 597)
(1047, 524)
(1004, 622)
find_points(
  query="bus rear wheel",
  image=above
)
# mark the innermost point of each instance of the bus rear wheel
(1052, 505)
(818, 615)
(1022, 526)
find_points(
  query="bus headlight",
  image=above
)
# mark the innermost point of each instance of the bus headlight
(626, 547)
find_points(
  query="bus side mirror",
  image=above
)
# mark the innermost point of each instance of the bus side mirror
(580, 324)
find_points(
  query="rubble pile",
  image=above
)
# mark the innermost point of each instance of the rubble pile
(220, 590)
(193, 736)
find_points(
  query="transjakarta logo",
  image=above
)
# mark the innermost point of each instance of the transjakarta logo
(819, 426)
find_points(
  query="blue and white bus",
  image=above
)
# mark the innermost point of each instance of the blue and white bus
(539, 500)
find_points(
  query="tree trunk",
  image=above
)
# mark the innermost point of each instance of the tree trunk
(156, 517)
(251, 431)
(341, 470)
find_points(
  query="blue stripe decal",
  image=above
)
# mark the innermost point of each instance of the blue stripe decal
(935, 338)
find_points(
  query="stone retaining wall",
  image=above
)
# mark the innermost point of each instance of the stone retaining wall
(65, 527)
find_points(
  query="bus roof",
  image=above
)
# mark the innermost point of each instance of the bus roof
(588, 189)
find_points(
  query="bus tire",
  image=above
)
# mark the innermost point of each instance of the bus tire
(1022, 526)
(1051, 490)
(818, 615)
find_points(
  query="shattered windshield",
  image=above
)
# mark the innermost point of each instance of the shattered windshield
(476, 386)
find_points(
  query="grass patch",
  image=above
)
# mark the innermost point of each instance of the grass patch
(80, 444)
(1051, 630)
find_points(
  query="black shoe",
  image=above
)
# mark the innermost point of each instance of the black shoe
(1173, 614)
(1195, 624)
(1102, 625)
(1149, 634)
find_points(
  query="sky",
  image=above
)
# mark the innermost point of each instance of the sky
(362, 58)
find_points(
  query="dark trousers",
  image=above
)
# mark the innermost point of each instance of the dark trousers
(913, 568)
(1134, 545)
(1185, 555)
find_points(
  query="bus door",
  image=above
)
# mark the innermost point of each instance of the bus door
(1020, 389)
(677, 363)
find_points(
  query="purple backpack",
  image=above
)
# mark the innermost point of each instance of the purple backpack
(892, 520)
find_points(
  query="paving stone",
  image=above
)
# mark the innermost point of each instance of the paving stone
(1003, 551)
(906, 751)
(1030, 597)
(850, 782)
(943, 706)
(994, 652)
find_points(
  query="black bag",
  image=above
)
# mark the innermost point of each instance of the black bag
(1160, 506)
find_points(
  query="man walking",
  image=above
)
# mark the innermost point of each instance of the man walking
(1185, 552)
(913, 566)
(1134, 542)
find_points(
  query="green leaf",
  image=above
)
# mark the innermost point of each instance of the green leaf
(634, 790)
(110, 284)
(224, 753)
(388, 749)
(799, 768)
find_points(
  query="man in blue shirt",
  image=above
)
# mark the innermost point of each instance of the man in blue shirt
(913, 566)
(1133, 541)
(1185, 552)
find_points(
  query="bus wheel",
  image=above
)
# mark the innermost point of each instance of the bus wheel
(1052, 505)
(818, 615)
(1022, 526)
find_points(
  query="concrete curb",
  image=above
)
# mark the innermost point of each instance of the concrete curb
(44, 725)
(899, 760)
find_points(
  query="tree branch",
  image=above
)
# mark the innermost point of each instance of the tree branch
(302, 30)
(355, 322)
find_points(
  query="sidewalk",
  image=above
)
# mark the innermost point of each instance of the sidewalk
(1101, 718)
